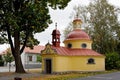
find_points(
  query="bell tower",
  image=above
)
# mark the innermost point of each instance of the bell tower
(56, 37)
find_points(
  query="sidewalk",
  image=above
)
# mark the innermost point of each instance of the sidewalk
(6, 69)
(11, 76)
(6, 75)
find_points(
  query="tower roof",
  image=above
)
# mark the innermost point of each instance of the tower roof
(77, 34)
(55, 31)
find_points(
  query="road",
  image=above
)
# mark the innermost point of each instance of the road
(110, 76)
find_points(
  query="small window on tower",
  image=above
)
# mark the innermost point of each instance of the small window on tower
(84, 45)
(69, 45)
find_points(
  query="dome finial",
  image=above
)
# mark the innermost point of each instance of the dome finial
(77, 15)
(56, 25)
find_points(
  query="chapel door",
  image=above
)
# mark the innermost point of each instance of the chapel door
(48, 66)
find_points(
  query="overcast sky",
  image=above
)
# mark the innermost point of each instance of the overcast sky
(61, 17)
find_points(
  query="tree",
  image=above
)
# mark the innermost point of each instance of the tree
(101, 22)
(112, 61)
(8, 57)
(21, 19)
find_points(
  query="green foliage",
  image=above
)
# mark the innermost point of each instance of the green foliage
(39, 58)
(21, 19)
(8, 57)
(112, 61)
(24, 18)
(104, 26)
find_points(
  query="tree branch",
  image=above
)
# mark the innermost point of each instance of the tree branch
(24, 44)
(10, 39)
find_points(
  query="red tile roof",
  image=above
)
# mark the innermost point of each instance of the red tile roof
(76, 52)
(77, 34)
(36, 49)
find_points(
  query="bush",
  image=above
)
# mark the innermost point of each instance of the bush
(39, 58)
(112, 61)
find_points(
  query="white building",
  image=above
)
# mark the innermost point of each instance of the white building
(29, 56)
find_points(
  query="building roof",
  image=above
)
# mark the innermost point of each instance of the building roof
(77, 34)
(36, 49)
(75, 52)
(55, 31)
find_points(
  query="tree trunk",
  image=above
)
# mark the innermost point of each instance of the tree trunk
(17, 57)
(18, 63)
(15, 48)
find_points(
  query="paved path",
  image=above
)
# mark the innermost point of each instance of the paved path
(30, 73)
(6, 69)
(110, 76)
(11, 77)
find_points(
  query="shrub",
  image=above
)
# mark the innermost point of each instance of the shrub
(112, 61)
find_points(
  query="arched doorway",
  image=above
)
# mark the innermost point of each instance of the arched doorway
(48, 68)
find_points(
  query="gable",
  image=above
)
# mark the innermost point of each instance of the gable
(48, 50)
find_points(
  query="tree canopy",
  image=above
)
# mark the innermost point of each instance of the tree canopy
(21, 19)
(104, 20)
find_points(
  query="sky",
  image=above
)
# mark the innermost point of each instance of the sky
(62, 18)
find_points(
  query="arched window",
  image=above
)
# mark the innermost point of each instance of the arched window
(91, 61)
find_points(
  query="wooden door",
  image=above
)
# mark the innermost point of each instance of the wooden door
(48, 66)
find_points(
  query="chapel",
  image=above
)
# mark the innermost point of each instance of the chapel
(76, 56)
